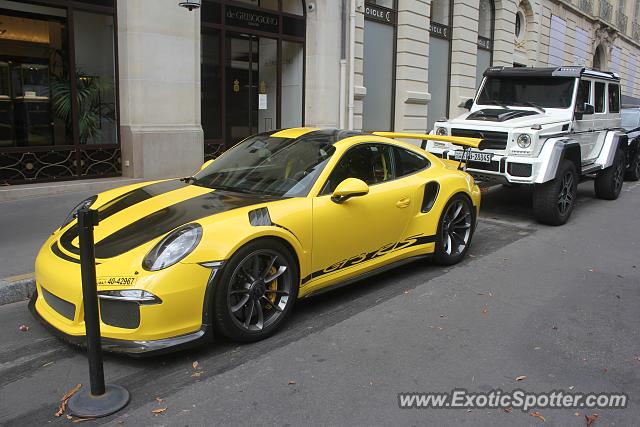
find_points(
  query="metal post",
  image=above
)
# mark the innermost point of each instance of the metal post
(101, 400)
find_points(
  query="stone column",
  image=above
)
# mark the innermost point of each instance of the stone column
(159, 56)
(412, 64)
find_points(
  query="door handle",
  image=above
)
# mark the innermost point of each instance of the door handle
(403, 203)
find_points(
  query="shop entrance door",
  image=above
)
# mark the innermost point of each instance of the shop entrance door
(251, 85)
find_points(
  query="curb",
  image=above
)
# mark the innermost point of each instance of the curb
(15, 289)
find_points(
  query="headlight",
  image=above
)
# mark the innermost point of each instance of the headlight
(441, 131)
(174, 247)
(86, 203)
(524, 140)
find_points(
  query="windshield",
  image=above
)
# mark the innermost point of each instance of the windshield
(269, 166)
(630, 119)
(547, 92)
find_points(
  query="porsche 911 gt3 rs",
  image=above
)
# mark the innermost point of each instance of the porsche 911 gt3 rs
(282, 215)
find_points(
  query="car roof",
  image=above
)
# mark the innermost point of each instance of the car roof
(569, 71)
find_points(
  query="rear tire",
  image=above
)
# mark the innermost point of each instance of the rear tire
(553, 201)
(455, 230)
(633, 173)
(608, 183)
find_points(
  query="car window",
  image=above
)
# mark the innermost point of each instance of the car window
(408, 162)
(614, 98)
(584, 93)
(372, 163)
(599, 97)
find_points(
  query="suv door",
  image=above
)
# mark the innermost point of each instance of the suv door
(360, 229)
(583, 128)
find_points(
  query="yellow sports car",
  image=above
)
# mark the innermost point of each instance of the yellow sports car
(282, 215)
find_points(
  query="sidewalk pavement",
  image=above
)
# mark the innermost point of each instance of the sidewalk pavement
(26, 220)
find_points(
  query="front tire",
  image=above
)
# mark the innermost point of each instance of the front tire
(256, 292)
(455, 230)
(553, 201)
(608, 183)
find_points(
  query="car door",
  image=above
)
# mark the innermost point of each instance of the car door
(583, 129)
(357, 232)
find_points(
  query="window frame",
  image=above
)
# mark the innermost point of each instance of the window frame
(609, 86)
(604, 97)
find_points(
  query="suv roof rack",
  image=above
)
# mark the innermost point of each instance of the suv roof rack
(565, 71)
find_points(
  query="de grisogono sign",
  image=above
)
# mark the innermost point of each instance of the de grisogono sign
(248, 18)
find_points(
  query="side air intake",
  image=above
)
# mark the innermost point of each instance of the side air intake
(260, 217)
(431, 190)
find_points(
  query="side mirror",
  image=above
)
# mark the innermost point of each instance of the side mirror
(583, 109)
(350, 187)
(205, 164)
(468, 104)
(589, 109)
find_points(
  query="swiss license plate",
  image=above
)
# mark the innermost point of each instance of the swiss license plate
(116, 280)
(474, 156)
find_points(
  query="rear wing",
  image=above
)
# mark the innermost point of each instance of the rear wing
(462, 141)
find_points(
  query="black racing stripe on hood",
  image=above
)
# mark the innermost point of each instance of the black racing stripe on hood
(163, 221)
(121, 203)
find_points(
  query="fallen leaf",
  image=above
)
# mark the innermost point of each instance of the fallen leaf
(159, 410)
(521, 378)
(47, 364)
(24, 328)
(65, 398)
(471, 256)
(485, 310)
(590, 419)
(291, 382)
(538, 415)
(508, 410)
(195, 365)
(159, 400)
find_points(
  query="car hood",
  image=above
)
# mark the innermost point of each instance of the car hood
(510, 118)
(142, 214)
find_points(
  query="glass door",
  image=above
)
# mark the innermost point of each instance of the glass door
(251, 85)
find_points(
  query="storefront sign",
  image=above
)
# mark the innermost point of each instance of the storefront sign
(378, 13)
(439, 30)
(248, 18)
(484, 43)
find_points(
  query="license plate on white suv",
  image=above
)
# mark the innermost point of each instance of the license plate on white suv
(474, 156)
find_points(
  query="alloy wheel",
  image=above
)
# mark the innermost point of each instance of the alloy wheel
(260, 288)
(456, 228)
(566, 196)
(618, 177)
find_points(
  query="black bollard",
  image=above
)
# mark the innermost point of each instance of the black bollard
(101, 400)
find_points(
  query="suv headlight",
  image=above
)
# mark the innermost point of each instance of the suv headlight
(86, 203)
(441, 131)
(524, 140)
(174, 247)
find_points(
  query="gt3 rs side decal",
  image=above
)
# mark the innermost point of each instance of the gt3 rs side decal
(416, 240)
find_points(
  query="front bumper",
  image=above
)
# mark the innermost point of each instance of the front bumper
(132, 348)
(502, 168)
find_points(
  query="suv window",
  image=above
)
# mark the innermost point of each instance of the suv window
(599, 97)
(372, 163)
(408, 162)
(584, 92)
(614, 98)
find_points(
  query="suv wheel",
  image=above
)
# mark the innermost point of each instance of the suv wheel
(609, 182)
(633, 173)
(553, 201)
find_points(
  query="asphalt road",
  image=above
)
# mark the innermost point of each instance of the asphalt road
(557, 305)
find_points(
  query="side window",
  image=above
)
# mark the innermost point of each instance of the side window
(372, 163)
(614, 98)
(584, 93)
(599, 97)
(408, 162)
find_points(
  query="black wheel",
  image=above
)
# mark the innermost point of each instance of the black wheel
(633, 172)
(608, 183)
(256, 292)
(455, 230)
(554, 201)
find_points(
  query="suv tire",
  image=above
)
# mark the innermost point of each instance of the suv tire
(608, 183)
(633, 173)
(554, 201)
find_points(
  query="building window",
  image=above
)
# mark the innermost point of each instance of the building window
(58, 121)
(439, 60)
(486, 18)
(379, 65)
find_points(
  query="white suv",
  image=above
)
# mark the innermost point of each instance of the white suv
(545, 127)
